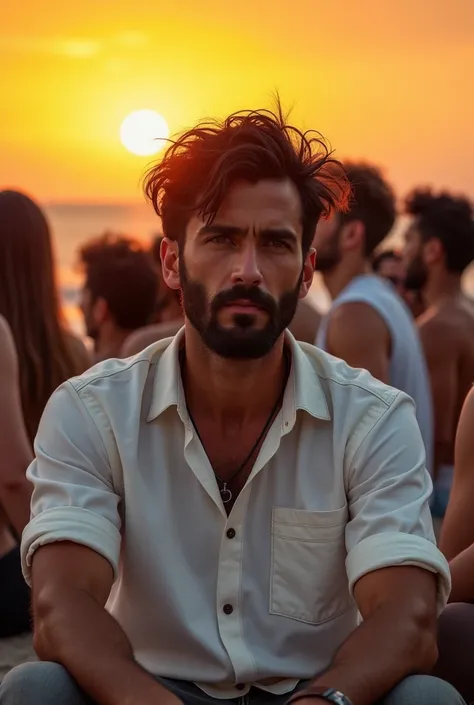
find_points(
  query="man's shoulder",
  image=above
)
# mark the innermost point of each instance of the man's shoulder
(107, 375)
(339, 379)
(441, 329)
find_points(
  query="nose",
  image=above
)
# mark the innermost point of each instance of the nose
(246, 266)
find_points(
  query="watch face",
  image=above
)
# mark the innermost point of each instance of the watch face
(336, 697)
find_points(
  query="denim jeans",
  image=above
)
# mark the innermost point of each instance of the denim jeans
(46, 683)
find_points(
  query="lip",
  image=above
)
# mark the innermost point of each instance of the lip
(243, 306)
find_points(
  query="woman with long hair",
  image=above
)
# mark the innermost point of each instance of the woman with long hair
(37, 353)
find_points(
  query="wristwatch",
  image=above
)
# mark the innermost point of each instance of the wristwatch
(330, 694)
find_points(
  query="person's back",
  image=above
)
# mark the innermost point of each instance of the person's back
(439, 246)
(407, 367)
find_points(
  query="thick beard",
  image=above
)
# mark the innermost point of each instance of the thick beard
(416, 276)
(241, 342)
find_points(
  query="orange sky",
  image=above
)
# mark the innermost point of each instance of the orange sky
(389, 81)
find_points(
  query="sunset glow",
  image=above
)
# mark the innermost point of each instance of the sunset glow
(384, 81)
(144, 132)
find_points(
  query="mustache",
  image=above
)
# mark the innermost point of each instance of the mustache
(251, 293)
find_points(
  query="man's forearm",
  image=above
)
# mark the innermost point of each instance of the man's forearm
(379, 654)
(82, 636)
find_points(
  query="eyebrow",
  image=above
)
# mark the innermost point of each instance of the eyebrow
(217, 229)
(221, 229)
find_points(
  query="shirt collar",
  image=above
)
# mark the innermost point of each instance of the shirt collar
(303, 390)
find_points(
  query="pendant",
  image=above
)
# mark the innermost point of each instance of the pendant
(226, 494)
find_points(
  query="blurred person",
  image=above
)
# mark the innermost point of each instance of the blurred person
(389, 265)
(368, 325)
(168, 316)
(306, 321)
(439, 246)
(456, 624)
(15, 491)
(120, 291)
(37, 353)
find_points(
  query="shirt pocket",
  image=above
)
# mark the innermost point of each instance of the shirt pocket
(308, 578)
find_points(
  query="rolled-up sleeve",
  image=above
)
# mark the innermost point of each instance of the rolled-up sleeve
(73, 497)
(388, 495)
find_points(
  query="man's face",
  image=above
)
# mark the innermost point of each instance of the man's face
(87, 307)
(415, 267)
(327, 241)
(242, 275)
(392, 269)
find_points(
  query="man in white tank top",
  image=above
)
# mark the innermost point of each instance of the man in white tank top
(368, 324)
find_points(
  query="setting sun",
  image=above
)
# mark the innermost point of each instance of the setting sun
(143, 132)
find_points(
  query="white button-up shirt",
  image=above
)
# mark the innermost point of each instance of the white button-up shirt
(260, 597)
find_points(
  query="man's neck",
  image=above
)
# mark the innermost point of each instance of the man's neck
(442, 286)
(338, 278)
(230, 391)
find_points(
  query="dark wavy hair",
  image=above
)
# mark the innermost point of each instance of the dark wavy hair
(118, 269)
(201, 165)
(372, 202)
(30, 303)
(449, 219)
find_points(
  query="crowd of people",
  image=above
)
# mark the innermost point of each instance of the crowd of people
(308, 453)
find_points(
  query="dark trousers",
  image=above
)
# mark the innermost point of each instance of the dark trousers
(456, 648)
(14, 596)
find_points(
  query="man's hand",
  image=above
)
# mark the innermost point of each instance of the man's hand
(71, 584)
(396, 638)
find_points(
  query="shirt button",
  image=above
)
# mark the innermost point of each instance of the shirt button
(230, 535)
(228, 609)
(240, 686)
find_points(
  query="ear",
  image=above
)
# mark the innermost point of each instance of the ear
(432, 251)
(308, 273)
(353, 235)
(169, 252)
(100, 311)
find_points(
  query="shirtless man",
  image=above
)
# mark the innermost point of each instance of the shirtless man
(439, 246)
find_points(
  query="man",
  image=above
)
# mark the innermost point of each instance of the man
(388, 264)
(439, 247)
(235, 498)
(368, 325)
(119, 293)
(168, 318)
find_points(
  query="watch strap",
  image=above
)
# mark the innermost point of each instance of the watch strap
(330, 694)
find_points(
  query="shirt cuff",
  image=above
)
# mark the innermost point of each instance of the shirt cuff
(392, 549)
(70, 524)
